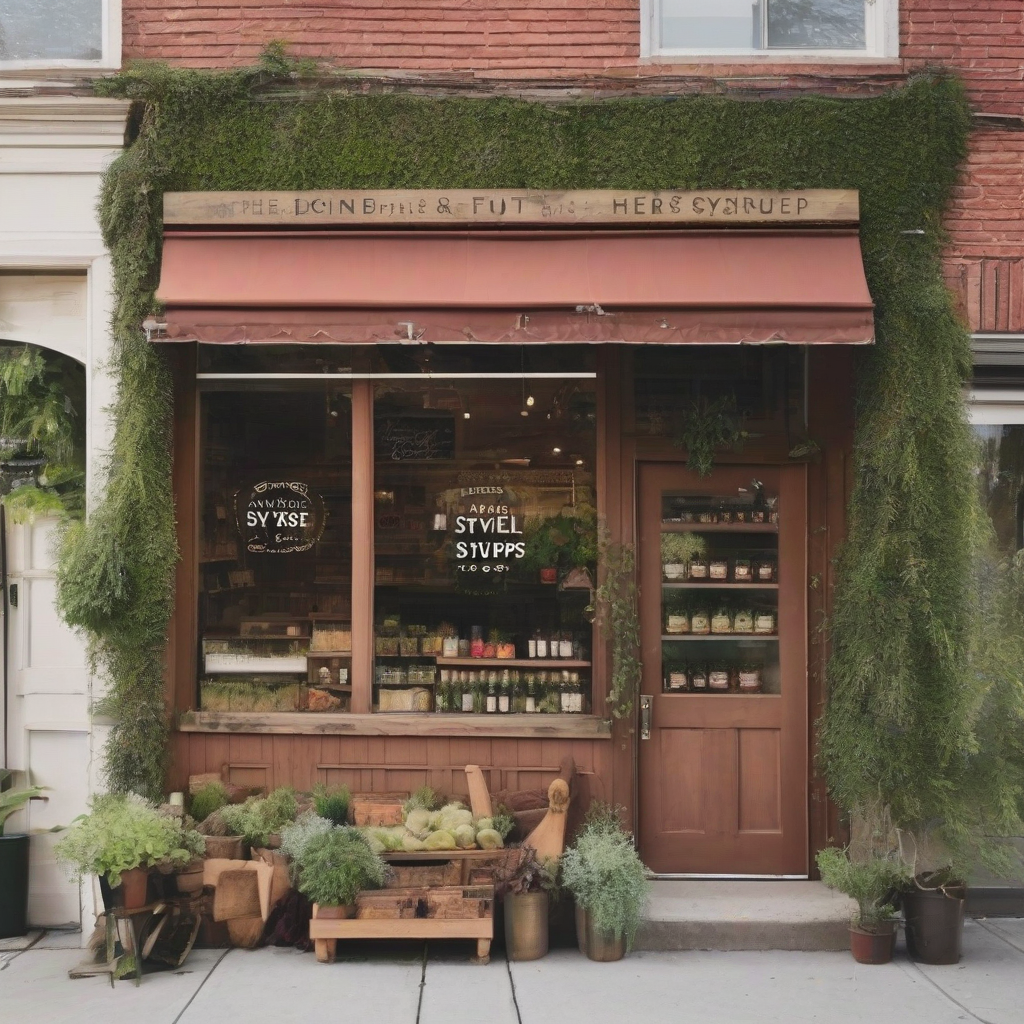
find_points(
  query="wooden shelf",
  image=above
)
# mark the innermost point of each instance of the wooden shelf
(328, 654)
(719, 586)
(423, 723)
(721, 636)
(667, 527)
(511, 663)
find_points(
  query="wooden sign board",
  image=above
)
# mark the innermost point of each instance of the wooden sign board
(439, 207)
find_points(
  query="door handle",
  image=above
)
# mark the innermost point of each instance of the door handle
(646, 709)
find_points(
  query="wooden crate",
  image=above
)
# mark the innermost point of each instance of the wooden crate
(377, 809)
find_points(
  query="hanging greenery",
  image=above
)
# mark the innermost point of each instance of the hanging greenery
(42, 433)
(708, 425)
(268, 128)
(618, 615)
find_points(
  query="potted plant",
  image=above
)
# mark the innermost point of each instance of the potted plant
(609, 882)
(677, 551)
(933, 908)
(874, 883)
(333, 866)
(557, 544)
(120, 840)
(13, 858)
(525, 885)
(260, 819)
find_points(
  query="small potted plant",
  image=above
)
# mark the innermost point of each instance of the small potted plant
(120, 840)
(525, 885)
(13, 858)
(609, 882)
(260, 819)
(677, 551)
(874, 883)
(334, 866)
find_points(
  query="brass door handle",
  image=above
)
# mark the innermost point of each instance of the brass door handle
(646, 710)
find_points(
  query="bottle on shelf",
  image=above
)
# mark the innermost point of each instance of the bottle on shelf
(492, 693)
(466, 693)
(531, 694)
(542, 645)
(700, 623)
(476, 643)
(565, 646)
(505, 693)
(699, 679)
(743, 621)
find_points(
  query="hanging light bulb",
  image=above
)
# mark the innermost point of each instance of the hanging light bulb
(557, 451)
(529, 400)
(465, 415)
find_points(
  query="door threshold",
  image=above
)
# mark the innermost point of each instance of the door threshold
(685, 876)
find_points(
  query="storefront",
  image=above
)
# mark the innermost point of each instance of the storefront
(409, 425)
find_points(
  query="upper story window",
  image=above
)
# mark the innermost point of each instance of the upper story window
(59, 33)
(772, 27)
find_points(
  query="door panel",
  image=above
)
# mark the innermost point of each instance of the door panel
(723, 778)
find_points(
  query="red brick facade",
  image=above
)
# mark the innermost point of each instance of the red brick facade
(594, 46)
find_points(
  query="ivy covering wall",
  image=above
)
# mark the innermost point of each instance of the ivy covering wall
(901, 719)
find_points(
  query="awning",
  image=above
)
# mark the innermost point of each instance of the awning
(702, 287)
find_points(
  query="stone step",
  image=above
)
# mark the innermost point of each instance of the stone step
(730, 915)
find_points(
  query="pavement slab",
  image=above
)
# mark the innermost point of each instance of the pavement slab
(20, 942)
(289, 987)
(61, 938)
(35, 989)
(456, 990)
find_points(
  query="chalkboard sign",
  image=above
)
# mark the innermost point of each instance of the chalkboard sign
(487, 530)
(414, 438)
(279, 517)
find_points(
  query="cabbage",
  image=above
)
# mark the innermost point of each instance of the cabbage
(452, 816)
(465, 837)
(484, 823)
(489, 839)
(440, 840)
(375, 844)
(418, 821)
(413, 845)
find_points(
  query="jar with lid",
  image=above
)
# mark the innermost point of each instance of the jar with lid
(718, 679)
(750, 679)
(721, 621)
(765, 571)
(700, 622)
(718, 570)
(565, 646)
(743, 622)
(764, 623)
(698, 570)
(676, 681)
(676, 622)
(698, 679)
(742, 571)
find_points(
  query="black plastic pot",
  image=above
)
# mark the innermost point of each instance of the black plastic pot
(13, 885)
(935, 924)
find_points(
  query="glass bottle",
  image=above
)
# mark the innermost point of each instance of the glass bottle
(531, 694)
(505, 693)
(699, 679)
(466, 696)
(563, 692)
(492, 693)
(542, 645)
(553, 646)
(700, 623)
(565, 646)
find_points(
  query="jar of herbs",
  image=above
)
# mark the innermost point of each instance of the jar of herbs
(743, 621)
(677, 622)
(721, 621)
(742, 571)
(700, 622)
(718, 570)
(750, 679)
(699, 679)
(764, 623)
(698, 570)
(718, 679)
(676, 681)
(765, 571)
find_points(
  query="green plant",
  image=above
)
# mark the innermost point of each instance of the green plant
(618, 614)
(336, 865)
(503, 821)
(607, 878)
(423, 798)
(296, 835)
(261, 816)
(708, 425)
(565, 541)
(211, 797)
(873, 882)
(680, 548)
(332, 804)
(521, 872)
(11, 799)
(124, 831)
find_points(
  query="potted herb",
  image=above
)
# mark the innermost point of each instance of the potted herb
(557, 544)
(609, 882)
(13, 858)
(260, 819)
(331, 803)
(333, 866)
(525, 885)
(677, 551)
(120, 840)
(874, 883)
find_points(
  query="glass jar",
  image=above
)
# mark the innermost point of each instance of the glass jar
(743, 622)
(699, 679)
(542, 646)
(700, 622)
(718, 679)
(718, 570)
(742, 571)
(765, 571)
(750, 679)
(721, 621)
(463, 648)
(531, 646)
(476, 642)
(450, 647)
(565, 646)
(676, 623)
(677, 680)
(698, 569)
(764, 623)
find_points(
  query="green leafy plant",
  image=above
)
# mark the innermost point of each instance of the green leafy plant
(708, 425)
(680, 548)
(503, 821)
(618, 615)
(211, 797)
(607, 878)
(124, 831)
(296, 835)
(11, 799)
(334, 866)
(873, 882)
(423, 798)
(332, 804)
(563, 542)
(261, 816)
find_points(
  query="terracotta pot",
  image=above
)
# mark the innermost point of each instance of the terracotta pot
(597, 945)
(335, 913)
(134, 888)
(873, 946)
(190, 879)
(526, 925)
(549, 575)
(935, 923)
(224, 847)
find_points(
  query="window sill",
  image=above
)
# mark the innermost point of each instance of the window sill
(831, 59)
(298, 723)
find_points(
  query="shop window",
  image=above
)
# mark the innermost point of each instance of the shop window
(1001, 480)
(485, 531)
(275, 566)
(57, 32)
(750, 27)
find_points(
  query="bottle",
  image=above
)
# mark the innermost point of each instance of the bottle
(505, 694)
(492, 693)
(466, 693)
(531, 694)
(531, 645)
(564, 697)
(565, 646)
(542, 645)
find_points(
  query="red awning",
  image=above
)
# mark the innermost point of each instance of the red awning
(704, 287)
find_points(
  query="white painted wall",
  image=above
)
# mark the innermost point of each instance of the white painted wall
(55, 291)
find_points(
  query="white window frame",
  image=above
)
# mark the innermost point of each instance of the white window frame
(110, 38)
(882, 42)
(995, 407)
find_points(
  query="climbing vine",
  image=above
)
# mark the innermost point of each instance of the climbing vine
(899, 717)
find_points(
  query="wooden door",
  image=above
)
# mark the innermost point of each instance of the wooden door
(723, 773)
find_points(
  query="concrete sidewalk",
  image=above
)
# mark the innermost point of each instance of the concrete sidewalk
(436, 985)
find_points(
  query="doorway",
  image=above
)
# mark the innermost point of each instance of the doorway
(723, 742)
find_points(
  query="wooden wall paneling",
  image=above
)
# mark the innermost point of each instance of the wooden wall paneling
(440, 778)
(362, 546)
